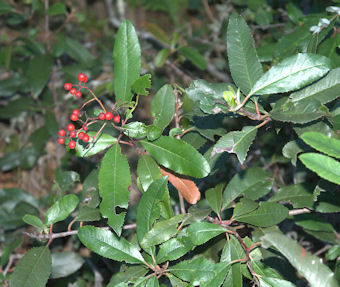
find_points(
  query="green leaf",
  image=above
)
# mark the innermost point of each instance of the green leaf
(292, 149)
(232, 250)
(175, 281)
(298, 195)
(254, 183)
(313, 222)
(178, 156)
(333, 253)
(197, 270)
(267, 214)
(244, 63)
(141, 84)
(106, 244)
(201, 232)
(294, 13)
(291, 74)
(193, 56)
(127, 275)
(127, 61)
(65, 180)
(152, 282)
(61, 209)
(298, 112)
(237, 142)
(244, 206)
(153, 132)
(78, 52)
(199, 89)
(174, 248)
(162, 231)
(273, 282)
(323, 143)
(221, 271)
(161, 57)
(326, 167)
(148, 209)
(135, 130)
(158, 32)
(8, 249)
(309, 266)
(65, 263)
(163, 107)
(114, 181)
(56, 9)
(102, 142)
(34, 221)
(39, 70)
(87, 213)
(214, 198)
(147, 170)
(5, 8)
(33, 269)
(325, 90)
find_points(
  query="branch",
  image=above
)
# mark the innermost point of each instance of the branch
(299, 211)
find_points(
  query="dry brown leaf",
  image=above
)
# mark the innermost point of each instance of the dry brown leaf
(185, 186)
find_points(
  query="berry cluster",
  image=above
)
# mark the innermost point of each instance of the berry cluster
(77, 115)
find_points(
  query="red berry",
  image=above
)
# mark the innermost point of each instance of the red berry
(75, 112)
(86, 79)
(84, 127)
(61, 140)
(74, 117)
(81, 77)
(81, 135)
(73, 91)
(73, 134)
(67, 86)
(62, 133)
(101, 116)
(78, 95)
(116, 119)
(70, 127)
(86, 138)
(108, 116)
(72, 144)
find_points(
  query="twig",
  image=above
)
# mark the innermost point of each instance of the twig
(208, 11)
(322, 250)
(299, 211)
(10, 262)
(47, 25)
(98, 278)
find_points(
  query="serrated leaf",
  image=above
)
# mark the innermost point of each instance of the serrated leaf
(147, 170)
(61, 209)
(135, 130)
(221, 271)
(65, 263)
(199, 89)
(148, 209)
(162, 231)
(34, 221)
(325, 90)
(326, 167)
(185, 186)
(39, 70)
(128, 275)
(273, 282)
(163, 107)
(244, 206)
(193, 56)
(298, 112)
(267, 214)
(33, 269)
(176, 281)
(244, 64)
(102, 142)
(174, 248)
(127, 61)
(178, 156)
(114, 181)
(254, 183)
(237, 142)
(309, 266)
(323, 143)
(141, 84)
(232, 250)
(201, 232)
(313, 222)
(291, 74)
(87, 213)
(299, 195)
(197, 270)
(214, 198)
(106, 244)
(292, 149)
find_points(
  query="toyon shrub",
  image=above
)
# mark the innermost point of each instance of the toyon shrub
(234, 222)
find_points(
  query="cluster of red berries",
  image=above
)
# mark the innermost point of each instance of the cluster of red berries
(73, 91)
(81, 135)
